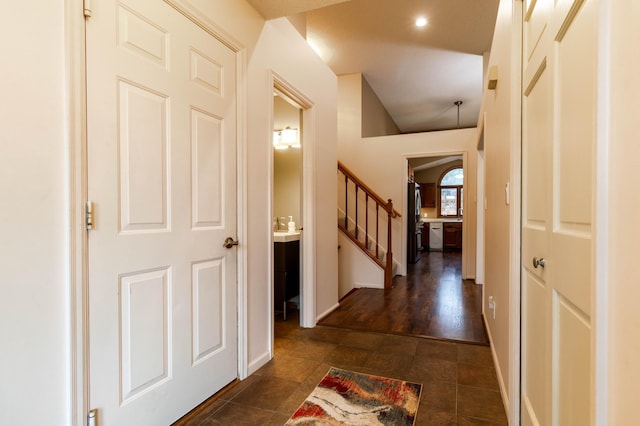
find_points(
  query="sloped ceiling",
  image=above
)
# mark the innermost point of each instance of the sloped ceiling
(271, 9)
(418, 73)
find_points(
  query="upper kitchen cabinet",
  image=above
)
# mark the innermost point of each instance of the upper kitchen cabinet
(428, 195)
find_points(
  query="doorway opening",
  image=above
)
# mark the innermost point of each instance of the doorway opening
(291, 196)
(430, 226)
(445, 302)
(286, 215)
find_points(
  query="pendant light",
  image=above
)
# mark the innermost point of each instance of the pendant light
(458, 103)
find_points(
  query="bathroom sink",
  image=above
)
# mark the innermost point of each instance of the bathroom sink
(285, 236)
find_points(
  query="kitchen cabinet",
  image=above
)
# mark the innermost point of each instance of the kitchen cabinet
(452, 236)
(286, 274)
(428, 194)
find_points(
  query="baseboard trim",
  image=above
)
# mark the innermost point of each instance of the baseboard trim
(347, 295)
(327, 312)
(256, 364)
(368, 285)
(503, 389)
(189, 418)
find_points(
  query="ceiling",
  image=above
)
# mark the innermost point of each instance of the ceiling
(418, 73)
(424, 163)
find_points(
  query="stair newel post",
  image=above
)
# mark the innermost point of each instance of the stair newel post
(389, 263)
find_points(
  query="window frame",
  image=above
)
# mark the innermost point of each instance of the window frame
(459, 193)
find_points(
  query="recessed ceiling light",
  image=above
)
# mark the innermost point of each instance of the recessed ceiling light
(421, 22)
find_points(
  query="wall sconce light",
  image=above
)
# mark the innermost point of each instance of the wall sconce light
(493, 77)
(285, 138)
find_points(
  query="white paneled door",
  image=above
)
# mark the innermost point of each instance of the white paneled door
(559, 133)
(162, 177)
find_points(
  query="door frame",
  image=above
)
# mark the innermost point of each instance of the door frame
(480, 204)
(308, 205)
(76, 182)
(405, 202)
(515, 221)
(76, 187)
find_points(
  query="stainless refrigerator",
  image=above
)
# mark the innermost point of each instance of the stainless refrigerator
(414, 230)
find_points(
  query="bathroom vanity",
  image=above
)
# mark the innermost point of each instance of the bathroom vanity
(286, 269)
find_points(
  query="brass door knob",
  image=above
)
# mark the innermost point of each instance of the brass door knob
(230, 242)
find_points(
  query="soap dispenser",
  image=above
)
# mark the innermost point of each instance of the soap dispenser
(291, 224)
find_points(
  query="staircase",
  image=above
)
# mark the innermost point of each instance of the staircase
(361, 215)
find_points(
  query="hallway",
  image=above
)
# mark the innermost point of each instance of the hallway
(378, 332)
(432, 300)
(459, 381)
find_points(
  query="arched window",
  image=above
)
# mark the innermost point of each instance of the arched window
(451, 193)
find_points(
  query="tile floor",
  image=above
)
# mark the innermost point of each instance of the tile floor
(459, 380)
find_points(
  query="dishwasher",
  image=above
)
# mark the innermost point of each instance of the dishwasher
(435, 236)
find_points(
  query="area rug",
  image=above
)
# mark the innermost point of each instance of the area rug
(348, 398)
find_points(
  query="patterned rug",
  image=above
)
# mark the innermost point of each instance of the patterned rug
(348, 398)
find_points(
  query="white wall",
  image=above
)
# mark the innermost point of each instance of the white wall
(376, 120)
(34, 303)
(282, 50)
(287, 165)
(617, 281)
(356, 269)
(381, 162)
(287, 175)
(501, 131)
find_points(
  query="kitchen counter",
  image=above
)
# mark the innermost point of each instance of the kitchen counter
(444, 233)
(439, 219)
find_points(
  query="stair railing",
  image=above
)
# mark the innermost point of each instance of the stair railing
(386, 262)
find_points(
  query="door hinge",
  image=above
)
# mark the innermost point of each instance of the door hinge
(88, 215)
(86, 8)
(91, 417)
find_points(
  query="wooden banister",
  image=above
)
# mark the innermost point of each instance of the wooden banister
(387, 206)
(350, 176)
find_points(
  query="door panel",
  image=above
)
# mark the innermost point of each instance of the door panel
(559, 106)
(143, 159)
(206, 165)
(208, 324)
(536, 222)
(572, 363)
(535, 357)
(161, 173)
(145, 344)
(535, 25)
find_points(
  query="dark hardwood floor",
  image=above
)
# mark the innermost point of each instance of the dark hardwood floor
(432, 300)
